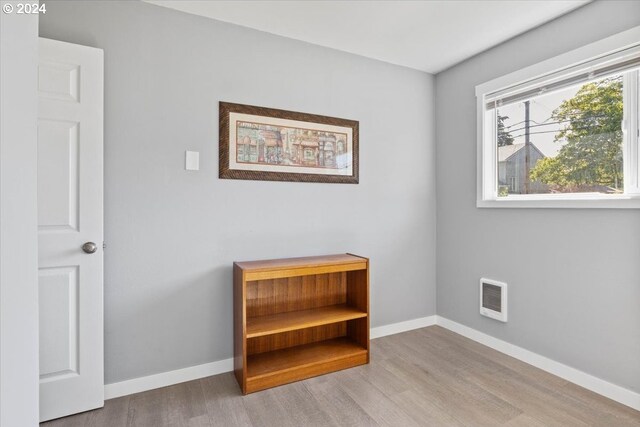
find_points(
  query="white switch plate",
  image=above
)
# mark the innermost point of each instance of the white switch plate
(192, 160)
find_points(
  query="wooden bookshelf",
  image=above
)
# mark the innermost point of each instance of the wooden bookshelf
(299, 317)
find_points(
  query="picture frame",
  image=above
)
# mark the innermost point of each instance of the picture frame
(268, 144)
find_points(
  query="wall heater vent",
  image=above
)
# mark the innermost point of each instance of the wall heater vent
(493, 299)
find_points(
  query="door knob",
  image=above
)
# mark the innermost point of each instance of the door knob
(89, 247)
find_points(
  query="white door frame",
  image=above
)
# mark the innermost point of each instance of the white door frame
(18, 219)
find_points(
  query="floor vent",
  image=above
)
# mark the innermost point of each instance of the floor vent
(493, 299)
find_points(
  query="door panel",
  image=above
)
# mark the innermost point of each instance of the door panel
(58, 294)
(58, 186)
(70, 206)
(59, 80)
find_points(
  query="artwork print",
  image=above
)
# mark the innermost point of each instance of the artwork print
(268, 144)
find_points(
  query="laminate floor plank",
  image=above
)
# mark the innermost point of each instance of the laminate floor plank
(302, 407)
(458, 342)
(524, 420)
(472, 409)
(589, 411)
(342, 409)
(533, 401)
(424, 411)
(115, 412)
(426, 377)
(531, 381)
(265, 410)
(186, 405)
(383, 410)
(149, 409)
(384, 380)
(595, 401)
(78, 420)
(382, 348)
(224, 401)
(422, 369)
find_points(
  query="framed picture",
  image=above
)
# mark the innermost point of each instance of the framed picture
(276, 145)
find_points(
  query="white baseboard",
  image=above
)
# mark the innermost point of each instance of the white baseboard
(396, 328)
(164, 379)
(597, 385)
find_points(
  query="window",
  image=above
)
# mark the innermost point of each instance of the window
(564, 133)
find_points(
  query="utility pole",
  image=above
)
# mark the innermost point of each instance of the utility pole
(527, 148)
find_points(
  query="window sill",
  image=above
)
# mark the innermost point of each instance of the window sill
(564, 201)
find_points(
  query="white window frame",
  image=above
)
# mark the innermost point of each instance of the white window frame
(611, 49)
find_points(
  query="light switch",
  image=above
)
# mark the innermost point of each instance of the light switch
(192, 161)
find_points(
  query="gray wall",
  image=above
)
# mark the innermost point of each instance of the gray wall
(18, 220)
(574, 275)
(172, 235)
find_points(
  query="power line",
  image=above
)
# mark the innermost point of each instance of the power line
(553, 123)
(545, 123)
(549, 131)
(538, 125)
(519, 123)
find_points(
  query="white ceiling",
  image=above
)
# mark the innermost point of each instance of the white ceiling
(426, 35)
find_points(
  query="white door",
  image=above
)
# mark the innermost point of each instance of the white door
(70, 203)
